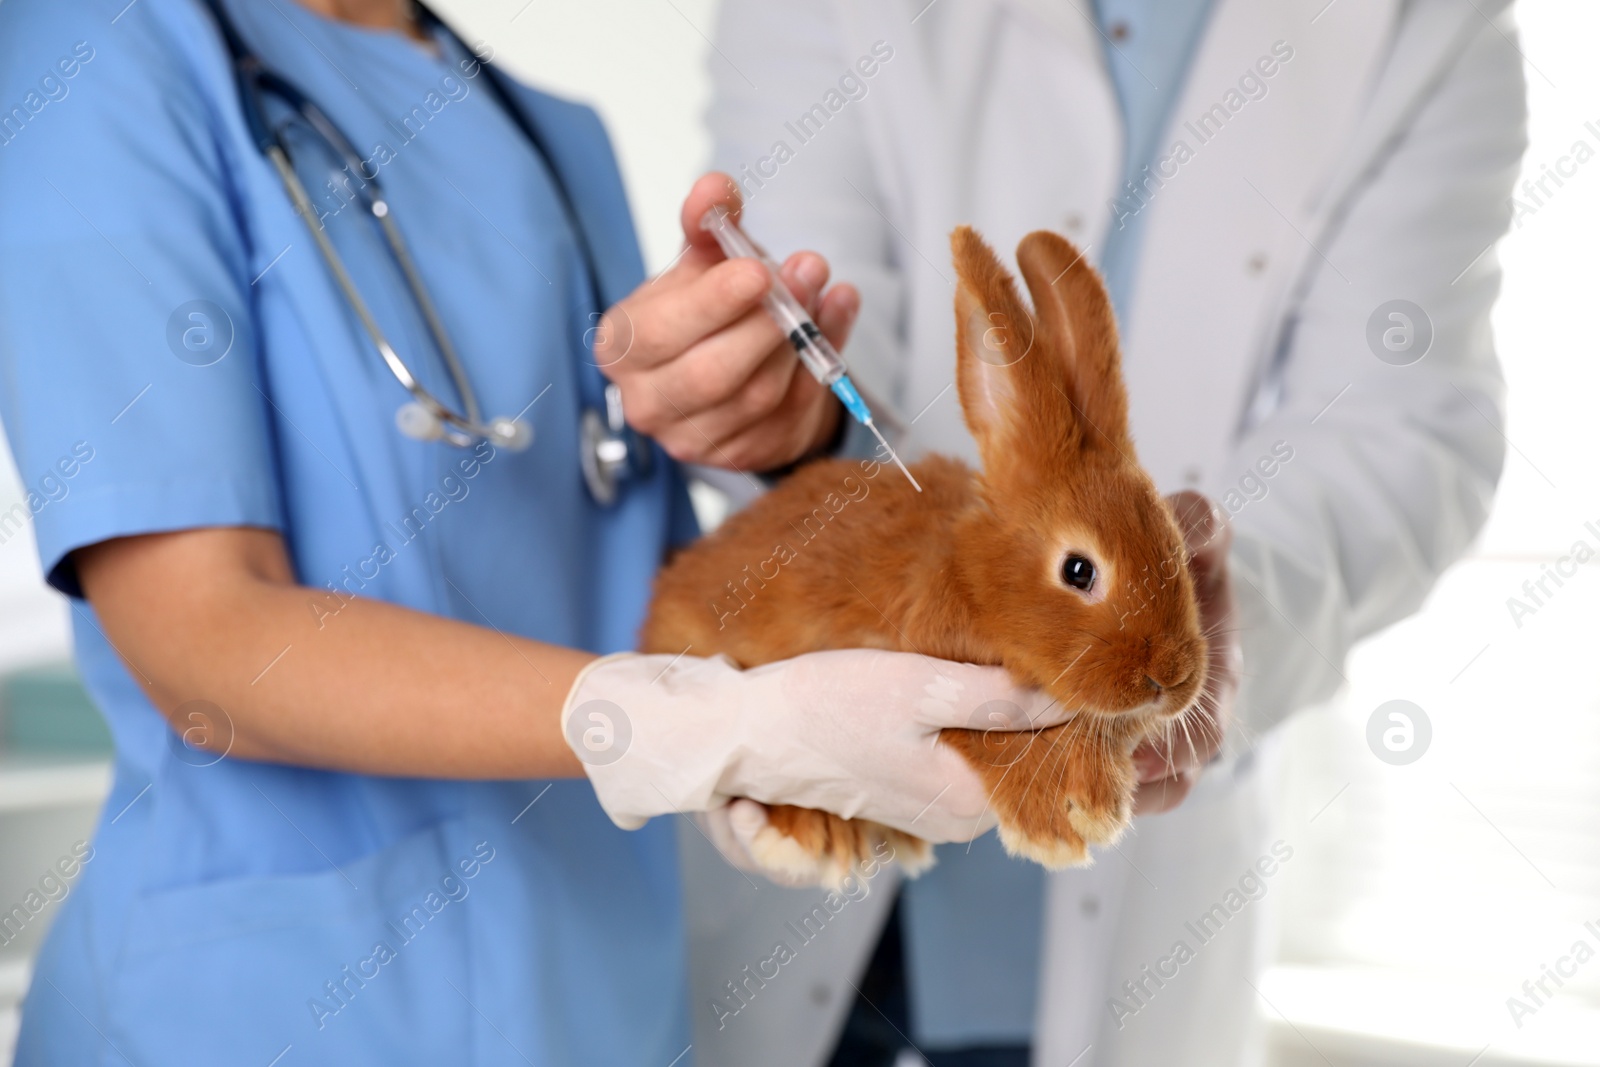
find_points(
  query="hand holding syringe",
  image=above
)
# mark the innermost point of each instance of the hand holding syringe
(809, 344)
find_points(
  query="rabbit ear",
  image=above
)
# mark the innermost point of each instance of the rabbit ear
(994, 336)
(1015, 384)
(1079, 330)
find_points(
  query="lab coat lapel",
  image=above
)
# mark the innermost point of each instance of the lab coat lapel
(1058, 179)
(939, 147)
(910, 142)
(1431, 33)
(934, 156)
(1231, 218)
(1071, 20)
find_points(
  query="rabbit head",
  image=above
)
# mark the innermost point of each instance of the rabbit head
(1073, 563)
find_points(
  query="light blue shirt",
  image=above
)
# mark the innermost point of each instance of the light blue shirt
(1149, 65)
(973, 923)
(175, 353)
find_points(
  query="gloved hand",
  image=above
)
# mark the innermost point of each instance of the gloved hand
(732, 830)
(852, 732)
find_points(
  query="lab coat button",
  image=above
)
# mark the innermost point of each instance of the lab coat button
(1072, 223)
(820, 994)
(1090, 906)
(1192, 476)
(1119, 31)
(1257, 263)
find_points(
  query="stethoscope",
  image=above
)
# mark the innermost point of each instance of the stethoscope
(610, 453)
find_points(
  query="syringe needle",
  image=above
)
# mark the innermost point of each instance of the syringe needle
(893, 456)
(810, 345)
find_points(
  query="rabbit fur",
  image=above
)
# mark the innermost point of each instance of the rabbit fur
(974, 568)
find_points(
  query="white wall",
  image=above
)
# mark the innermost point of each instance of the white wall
(642, 64)
(33, 620)
(1442, 886)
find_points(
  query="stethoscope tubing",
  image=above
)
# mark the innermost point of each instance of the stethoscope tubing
(462, 428)
(601, 435)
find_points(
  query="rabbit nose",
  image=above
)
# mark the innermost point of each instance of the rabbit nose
(1158, 680)
(1166, 666)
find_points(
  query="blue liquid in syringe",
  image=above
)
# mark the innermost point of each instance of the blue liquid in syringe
(814, 350)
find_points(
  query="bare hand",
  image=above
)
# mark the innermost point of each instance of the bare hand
(1169, 767)
(704, 370)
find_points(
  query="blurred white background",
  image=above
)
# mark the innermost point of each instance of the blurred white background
(1426, 895)
(1421, 897)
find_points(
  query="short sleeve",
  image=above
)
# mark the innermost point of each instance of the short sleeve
(129, 380)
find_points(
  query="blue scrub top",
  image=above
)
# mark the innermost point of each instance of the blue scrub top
(174, 354)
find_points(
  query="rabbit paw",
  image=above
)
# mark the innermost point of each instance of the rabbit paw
(1056, 830)
(1101, 820)
(1054, 849)
(1057, 791)
(913, 854)
(1037, 824)
(823, 849)
(1100, 799)
(792, 862)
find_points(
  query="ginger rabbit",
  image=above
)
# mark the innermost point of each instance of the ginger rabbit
(1058, 561)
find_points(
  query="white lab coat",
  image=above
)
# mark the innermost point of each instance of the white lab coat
(1376, 167)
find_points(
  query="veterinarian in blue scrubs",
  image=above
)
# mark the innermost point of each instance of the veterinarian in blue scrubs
(361, 919)
(347, 857)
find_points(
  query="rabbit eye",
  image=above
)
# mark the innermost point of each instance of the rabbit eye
(1078, 572)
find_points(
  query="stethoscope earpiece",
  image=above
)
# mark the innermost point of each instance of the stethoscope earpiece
(418, 423)
(513, 435)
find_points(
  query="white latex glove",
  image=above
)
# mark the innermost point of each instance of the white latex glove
(852, 732)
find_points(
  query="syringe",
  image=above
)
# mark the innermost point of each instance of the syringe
(819, 357)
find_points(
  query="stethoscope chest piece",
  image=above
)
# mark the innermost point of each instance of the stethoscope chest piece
(609, 452)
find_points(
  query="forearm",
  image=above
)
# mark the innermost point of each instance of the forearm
(371, 687)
